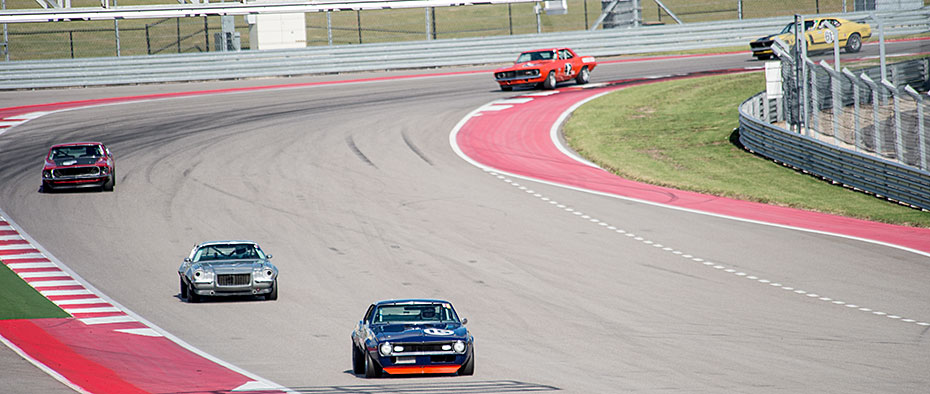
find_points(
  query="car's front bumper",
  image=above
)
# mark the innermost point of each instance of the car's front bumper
(445, 363)
(76, 182)
(210, 289)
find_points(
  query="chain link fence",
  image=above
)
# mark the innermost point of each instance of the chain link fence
(860, 108)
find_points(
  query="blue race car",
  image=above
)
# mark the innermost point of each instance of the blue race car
(415, 336)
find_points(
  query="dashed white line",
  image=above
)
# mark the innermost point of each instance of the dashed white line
(702, 261)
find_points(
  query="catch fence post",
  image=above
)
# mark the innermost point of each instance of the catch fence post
(876, 121)
(857, 129)
(921, 131)
(898, 139)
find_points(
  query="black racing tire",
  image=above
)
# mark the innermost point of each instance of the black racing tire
(273, 296)
(184, 293)
(550, 81)
(358, 360)
(583, 76)
(468, 368)
(108, 185)
(853, 43)
(192, 296)
(372, 369)
(46, 188)
(506, 88)
(763, 57)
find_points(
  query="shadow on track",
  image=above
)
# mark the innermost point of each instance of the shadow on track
(490, 386)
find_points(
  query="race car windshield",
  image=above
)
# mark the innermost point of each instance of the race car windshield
(531, 56)
(74, 152)
(228, 252)
(416, 313)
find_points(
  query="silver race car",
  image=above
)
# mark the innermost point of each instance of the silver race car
(228, 268)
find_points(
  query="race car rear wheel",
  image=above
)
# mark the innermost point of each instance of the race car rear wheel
(550, 81)
(468, 368)
(358, 361)
(583, 76)
(372, 369)
(274, 292)
(853, 43)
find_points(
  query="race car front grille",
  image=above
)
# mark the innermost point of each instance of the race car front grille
(760, 44)
(76, 171)
(233, 279)
(424, 347)
(517, 74)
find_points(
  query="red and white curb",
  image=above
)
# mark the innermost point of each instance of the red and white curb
(91, 352)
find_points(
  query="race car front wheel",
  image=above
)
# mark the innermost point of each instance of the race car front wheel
(468, 368)
(358, 361)
(372, 369)
(550, 81)
(583, 76)
(853, 43)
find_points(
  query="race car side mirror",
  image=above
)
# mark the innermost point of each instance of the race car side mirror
(464, 321)
(187, 259)
(270, 256)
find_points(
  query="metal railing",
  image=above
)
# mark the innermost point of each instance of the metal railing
(883, 178)
(404, 55)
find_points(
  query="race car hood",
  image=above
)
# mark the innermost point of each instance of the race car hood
(232, 266)
(81, 161)
(520, 66)
(420, 332)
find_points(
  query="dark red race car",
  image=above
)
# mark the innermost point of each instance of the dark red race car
(79, 165)
(545, 68)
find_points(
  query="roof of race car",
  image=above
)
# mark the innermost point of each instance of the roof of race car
(208, 243)
(77, 144)
(412, 301)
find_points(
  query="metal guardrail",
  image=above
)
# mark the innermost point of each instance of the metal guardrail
(405, 55)
(883, 178)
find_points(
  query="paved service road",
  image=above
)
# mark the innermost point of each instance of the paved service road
(356, 192)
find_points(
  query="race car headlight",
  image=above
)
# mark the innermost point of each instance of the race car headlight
(458, 346)
(47, 174)
(263, 274)
(385, 349)
(104, 170)
(201, 276)
(398, 348)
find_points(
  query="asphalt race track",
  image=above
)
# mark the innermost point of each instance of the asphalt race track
(355, 190)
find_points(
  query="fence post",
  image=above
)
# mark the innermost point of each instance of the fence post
(148, 42)
(6, 38)
(178, 21)
(836, 98)
(429, 34)
(814, 119)
(206, 35)
(536, 8)
(876, 122)
(510, 16)
(358, 21)
(329, 28)
(921, 132)
(857, 129)
(116, 31)
(898, 139)
(71, 41)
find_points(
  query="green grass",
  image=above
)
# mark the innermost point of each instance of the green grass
(677, 134)
(18, 300)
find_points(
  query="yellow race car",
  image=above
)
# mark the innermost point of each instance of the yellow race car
(819, 36)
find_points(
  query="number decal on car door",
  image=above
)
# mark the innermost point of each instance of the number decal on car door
(568, 69)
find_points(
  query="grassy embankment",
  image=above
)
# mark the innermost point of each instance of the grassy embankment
(678, 134)
(18, 300)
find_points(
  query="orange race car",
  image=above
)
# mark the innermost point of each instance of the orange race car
(545, 68)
